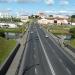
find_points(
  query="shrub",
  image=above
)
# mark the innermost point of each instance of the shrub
(2, 34)
(72, 31)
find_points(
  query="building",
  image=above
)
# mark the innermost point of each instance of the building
(22, 16)
(42, 15)
(8, 25)
(59, 20)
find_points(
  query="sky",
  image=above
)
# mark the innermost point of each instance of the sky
(34, 6)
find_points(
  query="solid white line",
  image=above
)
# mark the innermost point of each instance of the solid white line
(49, 63)
(36, 71)
(34, 48)
(65, 52)
(68, 70)
(34, 56)
(60, 60)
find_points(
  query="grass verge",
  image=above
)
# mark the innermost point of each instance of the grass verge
(58, 30)
(72, 43)
(13, 30)
(6, 46)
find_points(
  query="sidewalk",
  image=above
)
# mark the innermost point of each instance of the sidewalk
(15, 63)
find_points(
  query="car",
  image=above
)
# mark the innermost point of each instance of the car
(31, 32)
(46, 36)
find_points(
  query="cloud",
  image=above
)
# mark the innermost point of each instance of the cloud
(24, 1)
(49, 2)
(61, 12)
(18, 1)
(64, 2)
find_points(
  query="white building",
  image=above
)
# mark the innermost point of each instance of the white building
(42, 15)
(43, 21)
(60, 19)
(59, 22)
(8, 25)
(22, 16)
(61, 16)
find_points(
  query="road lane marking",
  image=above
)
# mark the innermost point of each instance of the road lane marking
(34, 56)
(63, 51)
(68, 71)
(34, 49)
(47, 58)
(60, 60)
(36, 71)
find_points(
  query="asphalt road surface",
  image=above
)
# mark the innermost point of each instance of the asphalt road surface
(44, 56)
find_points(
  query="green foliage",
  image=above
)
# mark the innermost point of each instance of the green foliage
(12, 30)
(31, 17)
(11, 19)
(37, 17)
(16, 19)
(2, 34)
(34, 17)
(50, 15)
(58, 30)
(73, 16)
(6, 46)
(72, 43)
(72, 31)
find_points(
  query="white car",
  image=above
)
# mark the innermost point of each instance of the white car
(46, 36)
(31, 32)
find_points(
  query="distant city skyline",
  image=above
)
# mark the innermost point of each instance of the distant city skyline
(34, 6)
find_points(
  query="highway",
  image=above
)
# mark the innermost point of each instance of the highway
(44, 56)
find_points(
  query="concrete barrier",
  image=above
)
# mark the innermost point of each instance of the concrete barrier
(4, 68)
(69, 47)
(18, 68)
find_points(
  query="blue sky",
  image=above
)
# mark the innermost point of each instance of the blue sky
(33, 6)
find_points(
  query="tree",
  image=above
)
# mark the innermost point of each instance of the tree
(31, 17)
(16, 19)
(2, 34)
(72, 31)
(10, 19)
(50, 15)
(73, 16)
